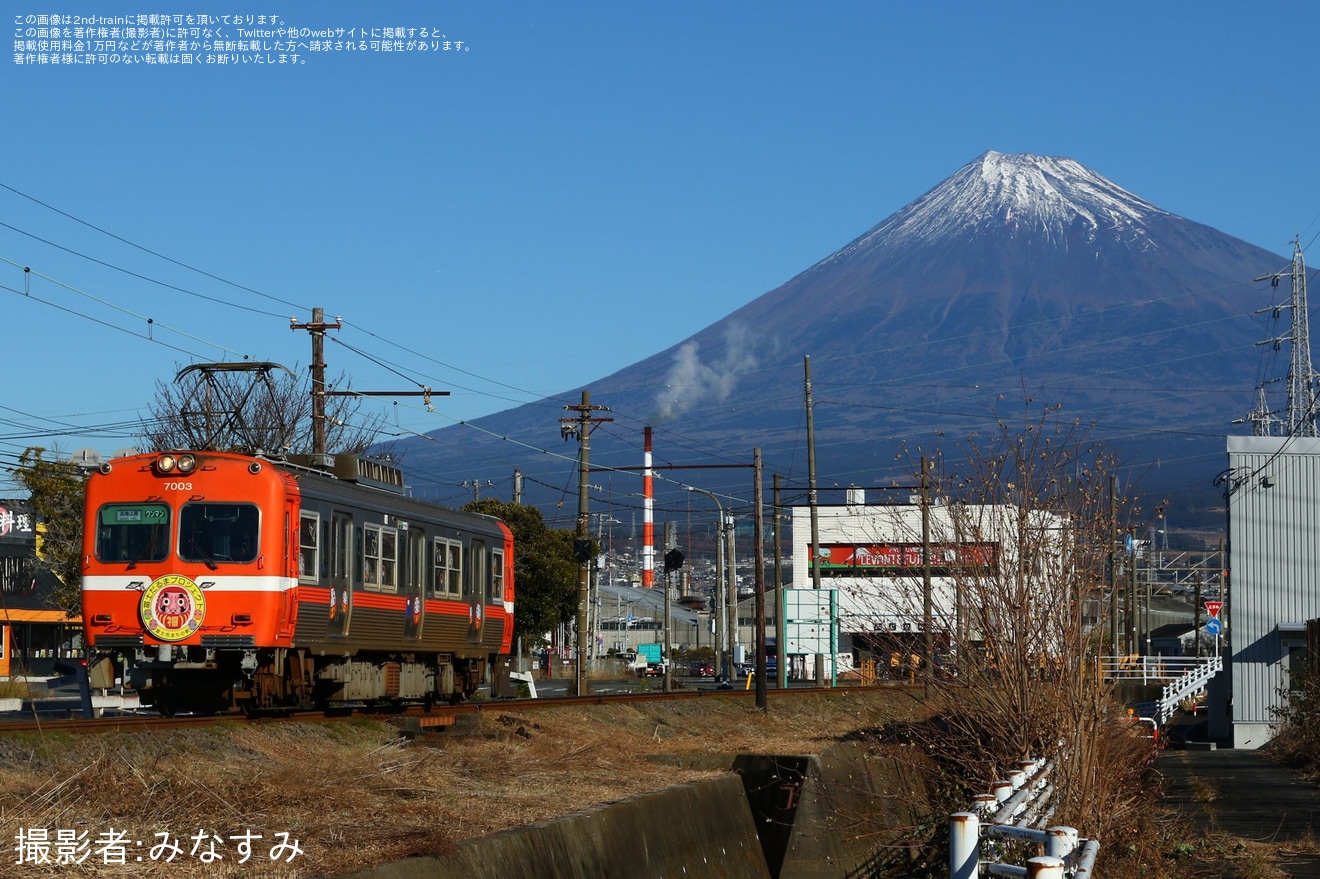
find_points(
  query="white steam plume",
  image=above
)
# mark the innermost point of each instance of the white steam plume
(691, 382)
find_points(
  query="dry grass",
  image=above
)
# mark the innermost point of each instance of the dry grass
(12, 689)
(1231, 856)
(355, 793)
(1202, 790)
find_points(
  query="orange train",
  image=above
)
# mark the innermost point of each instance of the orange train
(224, 582)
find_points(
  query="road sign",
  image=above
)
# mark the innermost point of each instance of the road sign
(1213, 626)
(1213, 608)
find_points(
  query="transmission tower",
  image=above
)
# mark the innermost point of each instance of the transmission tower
(1264, 421)
(1301, 417)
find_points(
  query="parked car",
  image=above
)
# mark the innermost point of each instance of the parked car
(771, 667)
(701, 669)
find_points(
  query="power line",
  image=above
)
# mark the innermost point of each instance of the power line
(147, 250)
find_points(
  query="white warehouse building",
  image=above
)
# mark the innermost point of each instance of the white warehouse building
(1272, 488)
(872, 555)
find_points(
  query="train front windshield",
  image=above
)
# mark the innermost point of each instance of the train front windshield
(133, 533)
(218, 532)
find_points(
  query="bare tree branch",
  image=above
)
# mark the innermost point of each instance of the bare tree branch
(251, 409)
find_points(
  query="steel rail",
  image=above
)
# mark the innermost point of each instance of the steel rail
(128, 723)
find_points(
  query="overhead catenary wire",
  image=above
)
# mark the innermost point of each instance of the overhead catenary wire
(681, 439)
(138, 275)
(144, 249)
(148, 321)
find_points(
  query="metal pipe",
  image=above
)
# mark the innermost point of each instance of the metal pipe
(964, 845)
(1045, 868)
(1060, 841)
(1086, 863)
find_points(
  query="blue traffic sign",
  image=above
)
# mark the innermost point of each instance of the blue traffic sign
(1213, 626)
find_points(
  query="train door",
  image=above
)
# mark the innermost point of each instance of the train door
(288, 561)
(478, 586)
(341, 572)
(414, 580)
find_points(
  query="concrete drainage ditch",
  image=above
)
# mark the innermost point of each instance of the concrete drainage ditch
(841, 813)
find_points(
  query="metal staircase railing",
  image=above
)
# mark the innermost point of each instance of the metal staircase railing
(1182, 676)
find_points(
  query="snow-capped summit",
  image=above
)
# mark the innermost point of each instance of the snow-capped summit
(1018, 276)
(1045, 198)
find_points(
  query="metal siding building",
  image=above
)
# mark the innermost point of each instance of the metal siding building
(1274, 575)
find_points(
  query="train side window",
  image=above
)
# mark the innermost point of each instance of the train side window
(416, 561)
(341, 537)
(309, 547)
(389, 560)
(448, 572)
(219, 532)
(360, 569)
(497, 574)
(133, 533)
(324, 573)
(370, 553)
(480, 584)
(380, 558)
(455, 569)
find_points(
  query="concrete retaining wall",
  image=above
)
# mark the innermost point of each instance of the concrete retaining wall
(838, 814)
(694, 830)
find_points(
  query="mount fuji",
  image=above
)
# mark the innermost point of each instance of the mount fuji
(1019, 277)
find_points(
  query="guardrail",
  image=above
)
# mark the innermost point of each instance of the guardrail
(1151, 669)
(1015, 805)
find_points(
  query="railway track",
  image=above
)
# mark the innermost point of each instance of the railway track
(442, 715)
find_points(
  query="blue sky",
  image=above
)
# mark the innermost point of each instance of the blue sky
(579, 186)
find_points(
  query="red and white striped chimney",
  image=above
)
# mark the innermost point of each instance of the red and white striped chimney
(648, 523)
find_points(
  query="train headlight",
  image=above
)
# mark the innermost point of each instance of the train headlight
(170, 463)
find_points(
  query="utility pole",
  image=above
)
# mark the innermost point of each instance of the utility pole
(581, 427)
(723, 655)
(664, 649)
(317, 328)
(1196, 616)
(928, 616)
(731, 602)
(1112, 536)
(476, 485)
(517, 486)
(762, 696)
(1130, 627)
(815, 514)
(781, 609)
